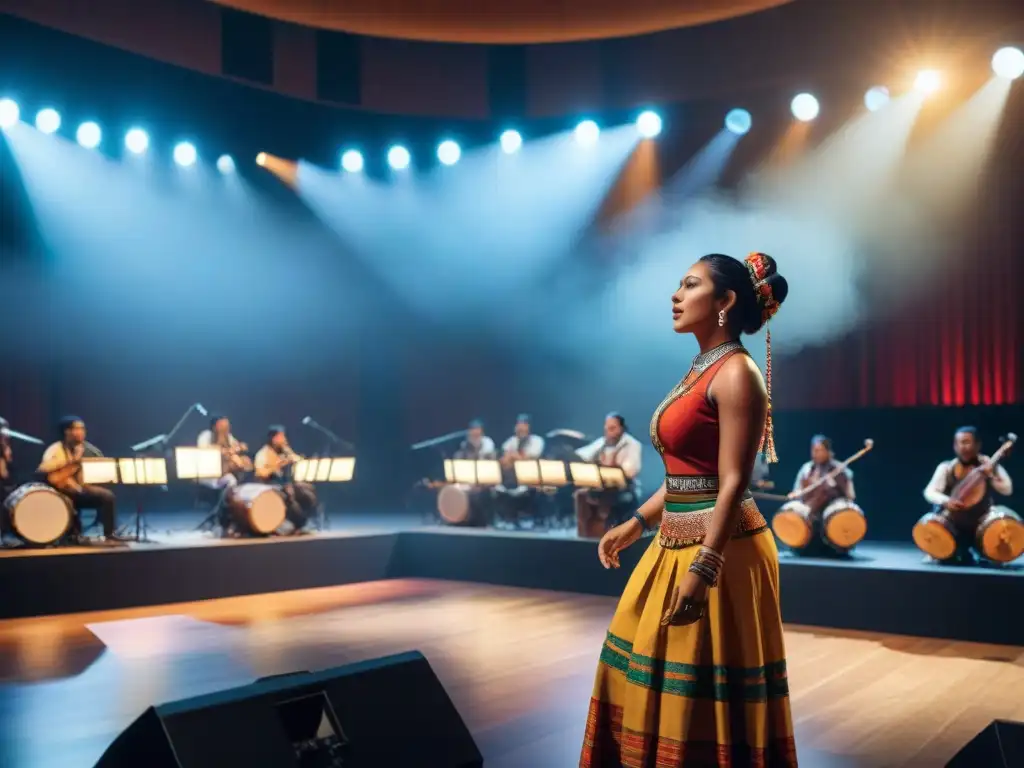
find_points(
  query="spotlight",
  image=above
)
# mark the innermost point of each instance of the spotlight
(587, 133)
(185, 154)
(738, 121)
(804, 107)
(648, 124)
(226, 164)
(9, 113)
(48, 121)
(261, 159)
(137, 141)
(928, 81)
(1008, 63)
(352, 161)
(876, 98)
(511, 141)
(399, 158)
(89, 135)
(448, 152)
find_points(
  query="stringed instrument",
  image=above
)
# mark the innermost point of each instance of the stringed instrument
(62, 478)
(972, 484)
(811, 495)
(235, 459)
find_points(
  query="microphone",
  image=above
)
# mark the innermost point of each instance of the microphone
(307, 420)
(202, 411)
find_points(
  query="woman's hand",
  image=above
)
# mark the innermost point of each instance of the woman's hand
(616, 540)
(689, 601)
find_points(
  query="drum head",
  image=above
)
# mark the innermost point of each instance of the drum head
(844, 524)
(933, 537)
(792, 524)
(1001, 535)
(40, 516)
(453, 504)
(266, 512)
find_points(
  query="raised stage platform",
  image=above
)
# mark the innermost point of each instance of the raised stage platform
(884, 588)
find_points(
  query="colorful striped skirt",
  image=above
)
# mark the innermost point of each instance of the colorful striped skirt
(713, 693)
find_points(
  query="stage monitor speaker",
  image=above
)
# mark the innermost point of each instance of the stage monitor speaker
(1000, 745)
(391, 711)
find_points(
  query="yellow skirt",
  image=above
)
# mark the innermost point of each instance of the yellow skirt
(713, 693)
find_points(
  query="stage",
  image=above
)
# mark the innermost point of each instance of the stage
(883, 588)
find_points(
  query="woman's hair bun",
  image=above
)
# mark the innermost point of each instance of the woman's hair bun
(758, 286)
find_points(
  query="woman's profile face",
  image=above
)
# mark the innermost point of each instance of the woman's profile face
(694, 304)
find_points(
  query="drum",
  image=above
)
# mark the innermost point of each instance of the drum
(935, 535)
(1000, 535)
(257, 508)
(38, 514)
(843, 525)
(792, 524)
(453, 504)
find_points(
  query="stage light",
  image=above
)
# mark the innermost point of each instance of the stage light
(648, 124)
(261, 159)
(587, 133)
(226, 164)
(89, 135)
(9, 113)
(511, 141)
(876, 98)
(927, 81)
(804, 107)
(738, 121)
(352, 161)
(399, 158)
(1008, 63)
(185, 154)
(47, 120)
(448, 152)
(137, 141)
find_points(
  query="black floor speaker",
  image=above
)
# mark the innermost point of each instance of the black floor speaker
(386, 712)
(1000, 745)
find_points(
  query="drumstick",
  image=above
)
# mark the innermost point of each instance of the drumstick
(868, 445)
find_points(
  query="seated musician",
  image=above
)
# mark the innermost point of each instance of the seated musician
(759, 477)
(821, 464)
(62, 466)
(234, 464)
(599, 510)
(967, 447)
(6, 461)
(522, 445)
(273, 464)
(477, 445)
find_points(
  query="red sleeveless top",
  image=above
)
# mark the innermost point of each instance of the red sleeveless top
(684, 428)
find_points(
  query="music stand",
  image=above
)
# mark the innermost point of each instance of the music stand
(140, 471)
(193, 463)
(613, 478)
(324, 470)
(585, 475)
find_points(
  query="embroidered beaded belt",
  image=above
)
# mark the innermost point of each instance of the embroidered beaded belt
(684, 524)
(691, 483)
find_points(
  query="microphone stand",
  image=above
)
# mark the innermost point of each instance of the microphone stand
(439, 443)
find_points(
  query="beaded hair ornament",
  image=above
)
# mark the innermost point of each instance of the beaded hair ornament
(757, 266)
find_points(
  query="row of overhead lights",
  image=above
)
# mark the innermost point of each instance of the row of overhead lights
(1007, 63)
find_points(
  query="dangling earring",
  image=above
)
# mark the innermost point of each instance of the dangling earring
(721, 318)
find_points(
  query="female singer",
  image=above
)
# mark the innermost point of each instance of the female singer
(693, 668)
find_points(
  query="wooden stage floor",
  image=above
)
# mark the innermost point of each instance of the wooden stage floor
(518, 663)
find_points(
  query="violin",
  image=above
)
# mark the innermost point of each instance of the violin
(972, 484)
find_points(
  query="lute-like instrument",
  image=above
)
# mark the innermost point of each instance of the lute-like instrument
(972, 485)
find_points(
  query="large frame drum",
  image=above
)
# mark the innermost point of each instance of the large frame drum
(843, 524)
(1000, 535)
(935, 535)
(792, 524)
(460, 504)
(38, 514)
(257, 508)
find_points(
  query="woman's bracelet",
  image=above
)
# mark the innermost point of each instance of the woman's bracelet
(640, 519)
(708, 565)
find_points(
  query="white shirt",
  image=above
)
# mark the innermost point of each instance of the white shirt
(485, 451)
(935, 493)
(533, 446)
(627, 454)
(205, 440)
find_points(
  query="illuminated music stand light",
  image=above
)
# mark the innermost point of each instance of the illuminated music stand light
(585, 475)
(198, 463)
(143, 471)
(553, 472)
(527, 472)
(327, 470)
(99, 471)
(449, 471)
(613, 477)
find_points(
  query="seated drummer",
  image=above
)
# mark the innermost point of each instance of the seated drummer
(273, 464)
(598, 510)
(521, 446)
(967, 447)
(839, 487)
(62, 466)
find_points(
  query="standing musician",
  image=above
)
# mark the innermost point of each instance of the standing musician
(273, 464)
(598, 510)
(477, 445)
(967, 448)
(522, 445)
(234, 461)
(839, 487)
(62, 465)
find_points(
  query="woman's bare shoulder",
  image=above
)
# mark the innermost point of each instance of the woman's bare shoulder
(739, 379)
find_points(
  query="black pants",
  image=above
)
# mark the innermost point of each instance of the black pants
(599, 510)
(100, 499)
(300, 503)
